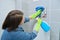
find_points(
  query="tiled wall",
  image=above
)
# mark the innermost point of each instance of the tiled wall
(54, 19)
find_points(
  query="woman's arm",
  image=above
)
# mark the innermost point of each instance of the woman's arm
(27, 19)
(37, 25)
(33, 16)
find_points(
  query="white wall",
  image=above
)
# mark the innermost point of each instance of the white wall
(18, 4)
(5, 7)
(54, 19)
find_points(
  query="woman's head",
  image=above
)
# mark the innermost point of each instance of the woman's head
(13, 19)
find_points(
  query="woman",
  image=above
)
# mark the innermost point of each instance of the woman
(12, 26)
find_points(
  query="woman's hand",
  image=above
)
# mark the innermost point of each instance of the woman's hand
(38, 24)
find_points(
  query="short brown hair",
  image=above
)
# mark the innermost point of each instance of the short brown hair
(12, 20)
